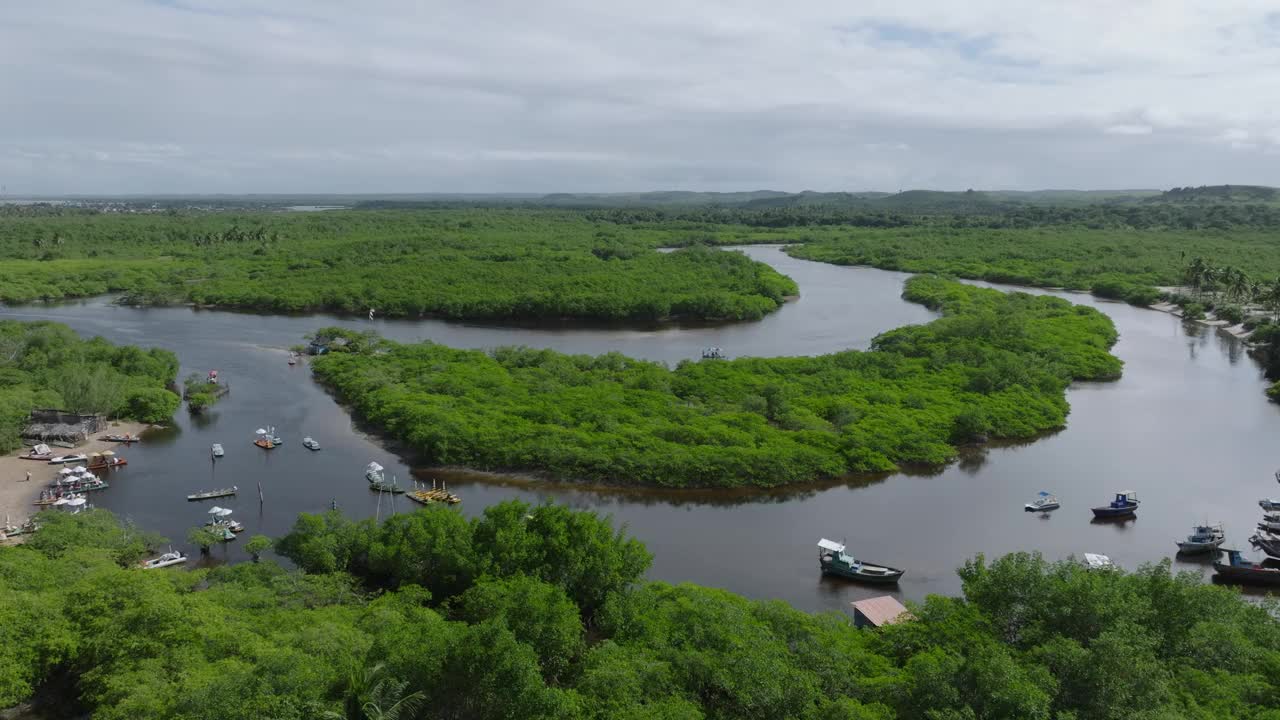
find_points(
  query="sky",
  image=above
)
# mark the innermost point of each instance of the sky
(380, 96)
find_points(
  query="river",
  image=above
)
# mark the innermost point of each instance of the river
(1187, 427)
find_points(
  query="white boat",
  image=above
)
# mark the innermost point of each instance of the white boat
(60, 459)
(1269, 504)
(172, 557)
(310, 444)
(1043, 503)
(217, 450)
(1094, 561)
(1203, 538)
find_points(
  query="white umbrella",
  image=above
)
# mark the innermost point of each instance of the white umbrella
(61, 501)
(76, 501)
(262, 431)
(223, 512)
(65, 471)
(215, 510)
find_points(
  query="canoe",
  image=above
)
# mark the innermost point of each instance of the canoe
(209, 494)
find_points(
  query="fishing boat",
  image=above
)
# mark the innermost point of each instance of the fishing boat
(62, 459)
(310, 444)
(1238, 569)
(1269, 524)
(1124, 505)
(1044, 502)
(25, 528)
(106, 460)
(293, 358)
(173, 557)
(1267, 543)
(219, 517)
(1269, 504)
(1203, 538)
(216, 450)
(434, 495)
(378, 482)
(833, 560)
(210, 494)
(267, 439)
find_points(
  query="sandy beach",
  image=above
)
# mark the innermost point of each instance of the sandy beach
(16, 494)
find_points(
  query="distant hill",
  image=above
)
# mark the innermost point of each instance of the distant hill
(1220, 194)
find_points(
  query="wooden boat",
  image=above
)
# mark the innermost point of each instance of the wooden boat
(434, 495)
(61, 459)
(310, 444)
(1043, 503)
(210, 494)
(172, 557)
(1238, 569)
(267, 439)
(126, 438)
(1203, 538)
(1269, 504)
(216, 450)
(43, 457)
(106, 461)
(1124, 505)
(833, 561)
(25, 528)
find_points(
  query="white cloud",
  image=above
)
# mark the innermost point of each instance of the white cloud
(397, 95)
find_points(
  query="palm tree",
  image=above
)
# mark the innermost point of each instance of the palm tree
(1271, 298)
(1194, 274)
(372, 695)
(1238, 286)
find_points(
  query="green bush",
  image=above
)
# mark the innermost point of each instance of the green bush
(1273, 391)
(152, 405)
(1193, 311)
(1233, 314)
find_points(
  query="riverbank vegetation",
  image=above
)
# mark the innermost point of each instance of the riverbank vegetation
(471, 264)
(541, 612)
(46, 365)
(995, 365)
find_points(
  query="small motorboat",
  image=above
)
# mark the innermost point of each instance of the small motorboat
(267, 439)
(1203, 538)
(310, 444)
(61, 459)
(209, 494)
(1125, 504)
(106, 460)
(1043, 503)
(833, 560)
(172, 557)
(1269, 504)
(1238, 569)
(216, 450)
(293, 358)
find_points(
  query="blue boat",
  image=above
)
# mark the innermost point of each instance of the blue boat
(1125, 505)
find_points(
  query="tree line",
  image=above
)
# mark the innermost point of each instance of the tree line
(543, 612)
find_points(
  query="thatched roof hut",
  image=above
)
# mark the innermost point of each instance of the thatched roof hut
(61, 426)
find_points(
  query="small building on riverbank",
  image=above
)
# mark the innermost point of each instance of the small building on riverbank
(879, 611)
(61, 426)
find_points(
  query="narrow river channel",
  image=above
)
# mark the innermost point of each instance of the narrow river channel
(1187, 427)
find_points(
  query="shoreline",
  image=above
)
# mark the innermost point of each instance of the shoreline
(17, 495)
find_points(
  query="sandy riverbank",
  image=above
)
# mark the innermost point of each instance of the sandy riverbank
(16, 494)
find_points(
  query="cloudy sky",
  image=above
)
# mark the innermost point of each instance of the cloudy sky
(136, 96)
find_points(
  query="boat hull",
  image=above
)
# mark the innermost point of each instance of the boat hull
(889, 578)
(1111, 512)
(1250, 576)
(1032, 507)
(1187, 548)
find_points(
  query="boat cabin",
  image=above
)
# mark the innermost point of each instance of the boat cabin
(879, 611)
(1125, 498)
(829, 550)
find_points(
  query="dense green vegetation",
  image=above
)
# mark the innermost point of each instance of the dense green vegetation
(995, 365)
(1121, 264)
(540, 612)
(46, 365)
(461, 264)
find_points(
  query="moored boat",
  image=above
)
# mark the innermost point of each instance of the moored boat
(1269, 504)
(1238, 569)
(310, 443)
(173, 557)
(25, 528)
(106, 460)
(1125, 504)
(378, 482)
(1267, 543)
(210, 494)
(434, 495)
(267, 439)
(62, 459)
(1203, 538)
(126, 438)
(834, 561)
(1044, 502)
(216, 450)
